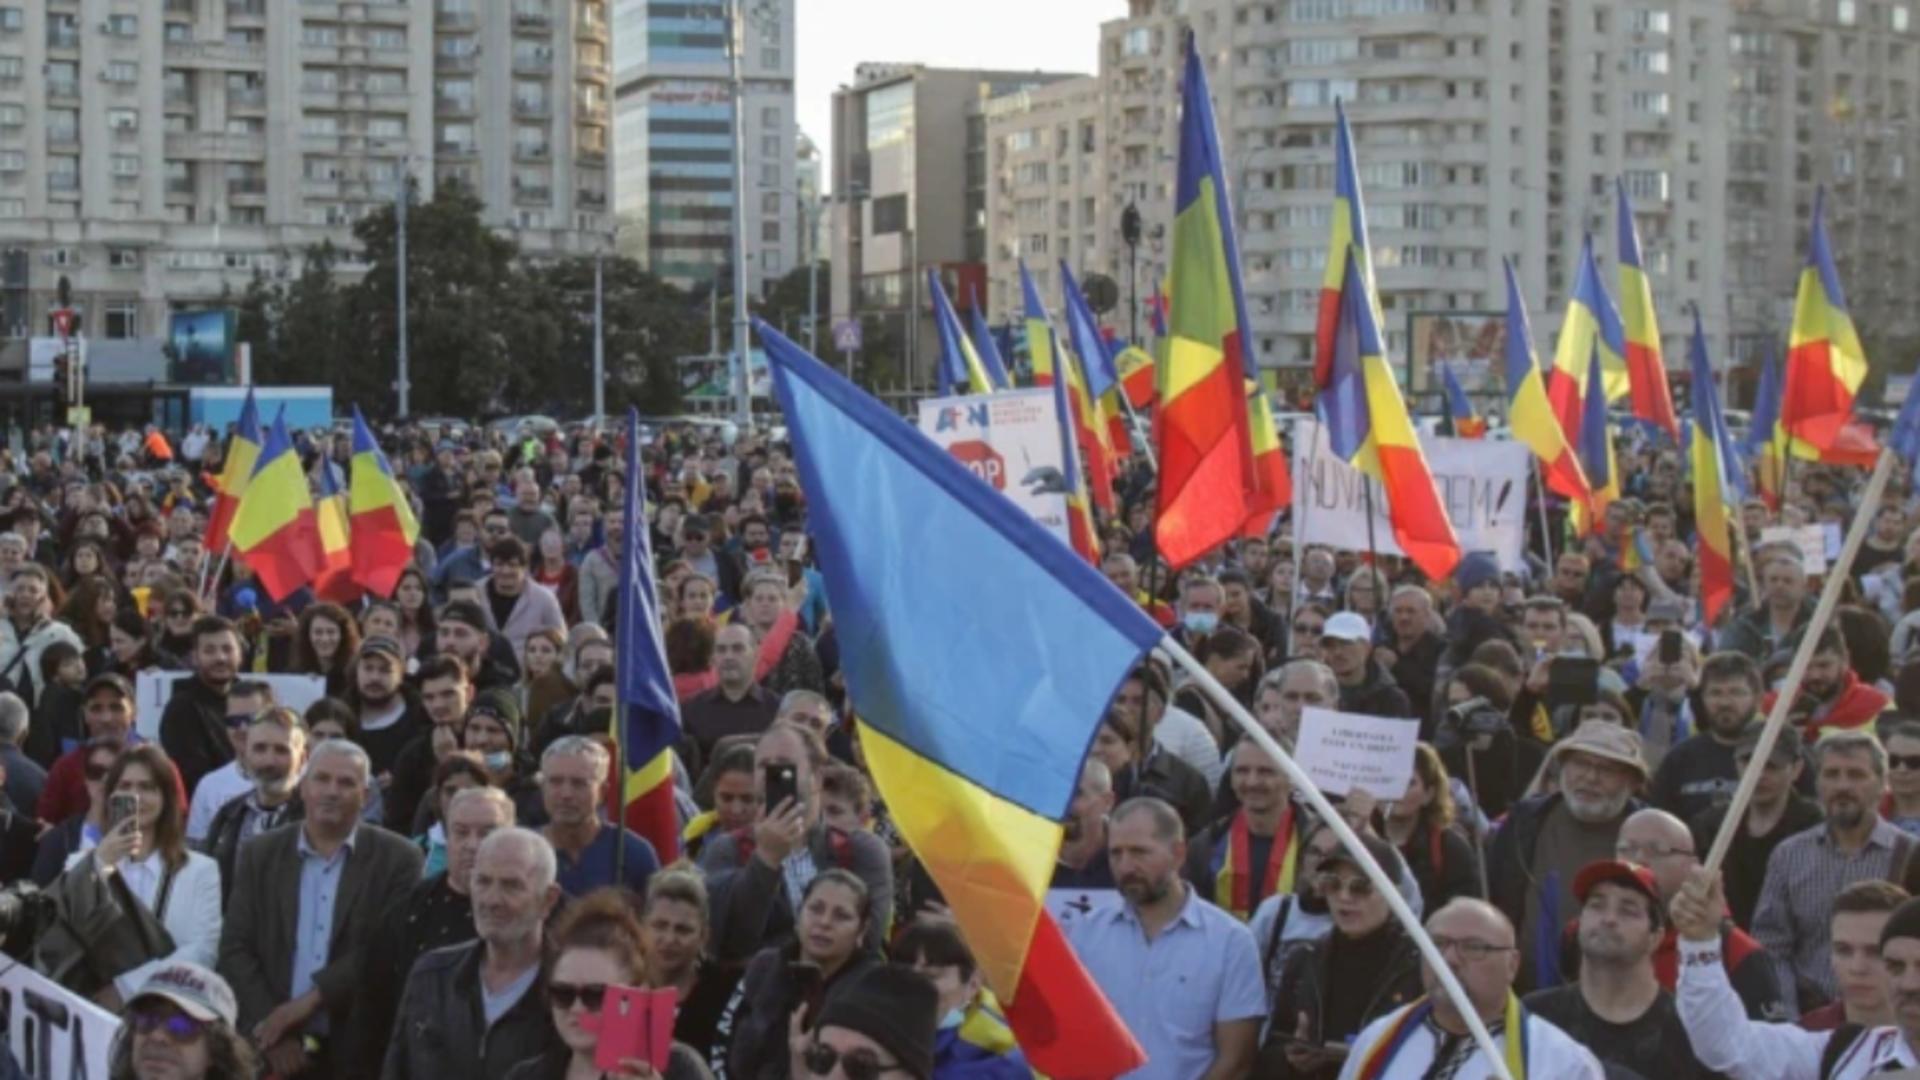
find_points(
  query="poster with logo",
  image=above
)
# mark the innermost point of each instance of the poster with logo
(1011, 441)
(1483, 486)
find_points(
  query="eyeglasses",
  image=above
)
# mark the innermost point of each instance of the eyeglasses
(563, 995)
(1642, 853)
(178, 1025)
(857, 1064)
(1470, 950)
(1903, 761)
(97, 772)
(236, 721)
(1354, 888)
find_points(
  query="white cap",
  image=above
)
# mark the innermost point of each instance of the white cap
(1347, 626)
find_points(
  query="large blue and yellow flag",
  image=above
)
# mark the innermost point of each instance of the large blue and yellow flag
(976, 772)
(1716, 484)
(961, 370)
(984, 345)
(649, 713)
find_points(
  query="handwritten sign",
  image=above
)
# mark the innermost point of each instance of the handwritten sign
(52, 1031)
(1811, 540)
(1342, 751)
(153, 688)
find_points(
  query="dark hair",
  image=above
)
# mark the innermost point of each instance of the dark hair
(600, 677)
(55, 654)
(306, 660)
(734, 758)
(209, 625)
(847, 782)
(170, 831)
(1485, 682)
(689, 645)
(507, 549)
(229, 1057)
(81, 611)
(816, 750)
(442, 666)
(1727, 666)
(1869, 645)
(862, 899)
(461, 763)
(603, 919)
(1499, 655)
(1831, 641)
(1871, 896)
(332, 708)
(934, 942)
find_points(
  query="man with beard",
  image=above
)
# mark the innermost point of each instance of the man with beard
(1831, 694)
(1243, 858)
(1547, 839)
(193, 729)
(1617, 1007)
(1182, 974)
(1699, 772)
(1795, 913)
(478, 1009)
(388, 720)
(28, 629)
(464, 632)
(247, 699)
(275, 750)
(1726, 1040)
(1572, 576)
(1776, 812)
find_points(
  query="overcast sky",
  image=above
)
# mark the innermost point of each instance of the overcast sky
(1016, 35)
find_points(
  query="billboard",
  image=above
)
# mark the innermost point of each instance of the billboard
(200, 346)
(1473, 343)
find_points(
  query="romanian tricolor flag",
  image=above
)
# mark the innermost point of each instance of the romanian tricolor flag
(1080, 528)
(1200, 428)
(984, 345)
(384, 528)
(1766, 445)
(649, 713)
(1039, 330)
(1090, 431)
(1591, 330)
(1596, 451)
(1096, 363)
(334, 581)
(1272, 472)
(976, 773)
(273, 528)
(1529, 414)
(1460, 417)
(961, 370)
(243, 453)
(1716, 483)
(1825, 363)
(1646, 370)
(1135, 366)
(1357, 398)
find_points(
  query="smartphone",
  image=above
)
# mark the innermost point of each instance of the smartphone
(121, 805)
(1572, 680)
(635, 1023)
(1671, 647)
(805, 978)
(779, 783)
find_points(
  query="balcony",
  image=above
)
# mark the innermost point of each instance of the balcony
(591, 155)
(63, 183)
(532, 107)
(247, 99)
(63, 37)
(533, 64)
(246, 9)
(179, 7)
(454, 149)
(180, 186)
(589, 199)
(215, 54)
(532, 18)
(453, 61)
(63, 88)
(532, 151)
(251, 187)
(455, 18)
(215, 146)
(531, 193)
(459, 106)
(63, 138)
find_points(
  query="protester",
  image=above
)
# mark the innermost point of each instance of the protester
(825, 958)
(180, 1025)
(1422, 825)
(1860, 914)
(593, 853)
(973, 1041)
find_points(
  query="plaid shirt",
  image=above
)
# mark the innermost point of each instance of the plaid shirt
(1795, 913)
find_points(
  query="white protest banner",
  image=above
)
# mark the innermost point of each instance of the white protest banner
(1810, 539)
(1483, 486)
(1010, 439)
(1342, 751)
(54, 1032)
(153, 688)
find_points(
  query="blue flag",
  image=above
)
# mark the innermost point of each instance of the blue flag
(649, 711)
(985, 345)
(1905, 438)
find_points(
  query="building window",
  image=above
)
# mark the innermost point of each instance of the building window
(122, 320)
(126, 165)
(12, 68)
(123, 71)
(123, 258)
(12, 161)
(125, 26)
(770, 232)
(1846, 11)
(12, 20)
(123, 119)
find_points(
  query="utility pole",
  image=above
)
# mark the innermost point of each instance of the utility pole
(400, 232)
(737, 43)
(599, 341)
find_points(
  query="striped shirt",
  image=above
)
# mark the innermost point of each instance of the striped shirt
(1793, 919)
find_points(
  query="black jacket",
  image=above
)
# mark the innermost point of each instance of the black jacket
(757, 1033)
(1167, 777)
(1377, 695)
(442, 1029)
(222, 842)
(1305, 983)
(430, 916)
(193, 730)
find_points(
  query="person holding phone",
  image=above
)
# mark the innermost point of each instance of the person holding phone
(598, 946)
(802, 977)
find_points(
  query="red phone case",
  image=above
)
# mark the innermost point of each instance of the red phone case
(635, 1023)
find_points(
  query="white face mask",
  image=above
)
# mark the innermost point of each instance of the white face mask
(953, 1019)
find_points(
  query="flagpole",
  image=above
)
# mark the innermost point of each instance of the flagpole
(1546, 524)
(1373, 553)
(1300, 525)
(212, 581)
(1837, 576)
(1385, 886)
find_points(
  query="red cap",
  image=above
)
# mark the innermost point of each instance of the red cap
(1615, 872)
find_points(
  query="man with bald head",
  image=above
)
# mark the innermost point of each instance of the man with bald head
(1430, 1037)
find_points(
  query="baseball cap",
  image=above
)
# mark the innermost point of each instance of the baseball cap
(1615, 872)
(382, 643)
(465, 612)
(1347, 626)
(197, 992)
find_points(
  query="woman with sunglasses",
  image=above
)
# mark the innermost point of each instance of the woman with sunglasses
(883, 1025)
(801, 977)
(597, 943)
(179, 1026)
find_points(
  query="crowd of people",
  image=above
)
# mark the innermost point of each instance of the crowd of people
(417, 874)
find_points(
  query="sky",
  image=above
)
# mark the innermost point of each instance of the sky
(1015, 35)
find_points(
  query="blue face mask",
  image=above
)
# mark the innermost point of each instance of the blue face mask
(1200, 622)
(953, 1019)
(497, 760)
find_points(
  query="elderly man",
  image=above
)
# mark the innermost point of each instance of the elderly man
(1429, 1038)
(1547, 839)
(1784, 610)
(1413, 645)
(1346, 643)
(1201, 598)
(1855, 843)
(478, 1009)
(1286, 692)
(1724, 1039)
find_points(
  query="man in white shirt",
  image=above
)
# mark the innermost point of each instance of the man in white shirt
(247, 699)
(1429, 1038)
(1725, 1040)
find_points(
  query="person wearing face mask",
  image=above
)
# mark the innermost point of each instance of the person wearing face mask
(1201, 598)
(973, 1041)
(494, 732)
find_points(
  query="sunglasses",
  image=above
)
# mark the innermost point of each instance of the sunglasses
(239, 720)
(1354, 888)
(1903, 761)
(820, 1060)
(178, 1025)
(563, 995)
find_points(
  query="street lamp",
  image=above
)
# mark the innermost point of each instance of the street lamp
(1130, 235)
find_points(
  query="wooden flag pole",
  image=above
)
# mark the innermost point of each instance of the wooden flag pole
(1384, 885)
(1802, 656)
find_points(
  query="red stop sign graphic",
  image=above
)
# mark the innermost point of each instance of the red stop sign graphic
(984, 460)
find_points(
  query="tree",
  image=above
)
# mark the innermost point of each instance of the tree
(786, 305)
(256, 317)
(312, 339)
(649, 324)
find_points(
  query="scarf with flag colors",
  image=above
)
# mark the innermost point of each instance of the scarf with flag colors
(976, 773)
(961, 370)
(384, 529)
(1379, 1057)
(1200, 427)
(1596, 453)
(649, 712)
(1233, 887)
(1591, 335)
(1716, 483)
(1460, 420)
(243, 453)
(1646, 369)
(984, 345)
(334, 579)
(1081, 533)
(1040, 343)
(1825, 363)
(1530, 414)
(273, 527)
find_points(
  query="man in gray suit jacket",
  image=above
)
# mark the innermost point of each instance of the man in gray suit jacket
(306, 902)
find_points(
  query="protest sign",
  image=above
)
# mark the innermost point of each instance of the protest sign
(1011, 440)
(1483, 485)
(1810, 539)
(154, 688)
(52, 1031)
(1342, 751)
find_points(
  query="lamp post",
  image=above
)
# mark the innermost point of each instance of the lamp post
(405, 196)
(1130, 235)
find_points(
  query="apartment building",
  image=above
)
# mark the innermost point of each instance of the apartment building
(1046, 190)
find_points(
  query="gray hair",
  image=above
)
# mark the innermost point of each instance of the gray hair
(1413, 590)
(1851, 741)
(1329, 682)
(579, 746)
(795, 700)
(346, 748)
(546, 865)
(1167, 827)
(492, 796)
(13, 719)
(1096, 776)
